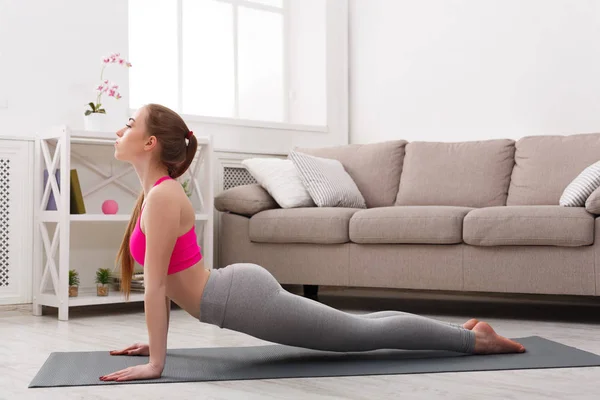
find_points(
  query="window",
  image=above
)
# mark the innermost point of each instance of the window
(261, 60)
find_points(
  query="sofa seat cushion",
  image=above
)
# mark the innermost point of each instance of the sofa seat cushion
(302, 225)
(529, 225)
(409, 224)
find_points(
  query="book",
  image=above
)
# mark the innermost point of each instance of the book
(77, 203)
(137, 282)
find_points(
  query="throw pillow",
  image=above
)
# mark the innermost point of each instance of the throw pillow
(281, 180)
(245, 200)
(327, 181)
(592, 204)
(577, 192)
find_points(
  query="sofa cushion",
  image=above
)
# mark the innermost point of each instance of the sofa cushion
(467, 174)
(545, 165)
(375, 168)
(245, 200)
(408, 224)
(529, 225)
(302, 225)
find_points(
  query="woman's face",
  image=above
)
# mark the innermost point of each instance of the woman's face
(132, 139)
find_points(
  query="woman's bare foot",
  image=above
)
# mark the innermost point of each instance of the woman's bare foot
(487, 341)
(470, 324)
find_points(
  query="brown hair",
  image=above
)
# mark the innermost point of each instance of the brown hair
(171, 132)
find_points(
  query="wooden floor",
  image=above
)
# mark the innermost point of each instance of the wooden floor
(26, 341)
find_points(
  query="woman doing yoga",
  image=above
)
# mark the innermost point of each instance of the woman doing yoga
(240, 297)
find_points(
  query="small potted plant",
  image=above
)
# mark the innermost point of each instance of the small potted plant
(102, 281)
(73, 283)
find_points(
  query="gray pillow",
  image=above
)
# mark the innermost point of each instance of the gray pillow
(245, 200)
(327, 182)
(592, 204)
(580, 188)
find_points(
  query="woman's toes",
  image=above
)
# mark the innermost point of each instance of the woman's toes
(470, 324)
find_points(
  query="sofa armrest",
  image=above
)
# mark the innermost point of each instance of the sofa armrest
(245, 200)
(592, 204)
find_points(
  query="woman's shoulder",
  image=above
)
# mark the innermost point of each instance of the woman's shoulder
(168, 193)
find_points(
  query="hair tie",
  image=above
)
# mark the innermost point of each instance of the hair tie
(189, 135)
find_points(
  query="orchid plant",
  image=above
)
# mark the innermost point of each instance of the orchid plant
(107, 87)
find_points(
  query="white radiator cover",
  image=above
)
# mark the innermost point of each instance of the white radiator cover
(236, 176)
(15, 221)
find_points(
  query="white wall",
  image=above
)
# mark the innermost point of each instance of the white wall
(453, 70)
(50, 60)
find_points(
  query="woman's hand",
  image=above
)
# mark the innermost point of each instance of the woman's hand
(144, 371)
(136, 349)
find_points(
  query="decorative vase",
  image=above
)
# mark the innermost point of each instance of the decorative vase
(98, 122)
(110, 207)
(73, 291)
(102, 290)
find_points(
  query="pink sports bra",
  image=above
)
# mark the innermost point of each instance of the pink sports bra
(185, 253)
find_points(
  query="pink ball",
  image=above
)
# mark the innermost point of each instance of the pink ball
(110, 207)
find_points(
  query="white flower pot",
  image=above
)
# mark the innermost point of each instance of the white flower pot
(97, 122)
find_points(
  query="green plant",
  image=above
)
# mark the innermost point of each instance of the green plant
(186, 187)
(73, 278)
(95, 108)
(103, 276)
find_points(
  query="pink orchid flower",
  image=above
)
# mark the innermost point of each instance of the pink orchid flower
(110, 88)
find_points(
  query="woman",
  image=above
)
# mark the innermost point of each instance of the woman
(241, 297)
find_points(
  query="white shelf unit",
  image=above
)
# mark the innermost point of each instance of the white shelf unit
(200, 176)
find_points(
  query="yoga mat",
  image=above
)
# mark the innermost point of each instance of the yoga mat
(278, 361)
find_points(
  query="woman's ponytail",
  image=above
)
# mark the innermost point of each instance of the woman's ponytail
(124, 257)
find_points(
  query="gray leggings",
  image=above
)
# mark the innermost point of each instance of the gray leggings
(247, 298)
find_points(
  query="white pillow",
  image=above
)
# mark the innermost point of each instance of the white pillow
(327, 181)
(281, 179)
(577, 192)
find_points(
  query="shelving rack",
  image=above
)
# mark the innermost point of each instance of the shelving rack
(60, 139)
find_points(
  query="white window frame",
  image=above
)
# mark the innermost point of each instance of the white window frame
(336, 90)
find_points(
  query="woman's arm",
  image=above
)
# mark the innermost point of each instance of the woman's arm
(161, 223)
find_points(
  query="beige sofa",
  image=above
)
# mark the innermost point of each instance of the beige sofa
(480, 216)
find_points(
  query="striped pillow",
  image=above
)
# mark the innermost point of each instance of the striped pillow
(581, 187)
(327, 182)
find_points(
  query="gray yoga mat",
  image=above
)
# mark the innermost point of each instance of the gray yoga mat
(278, 361)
